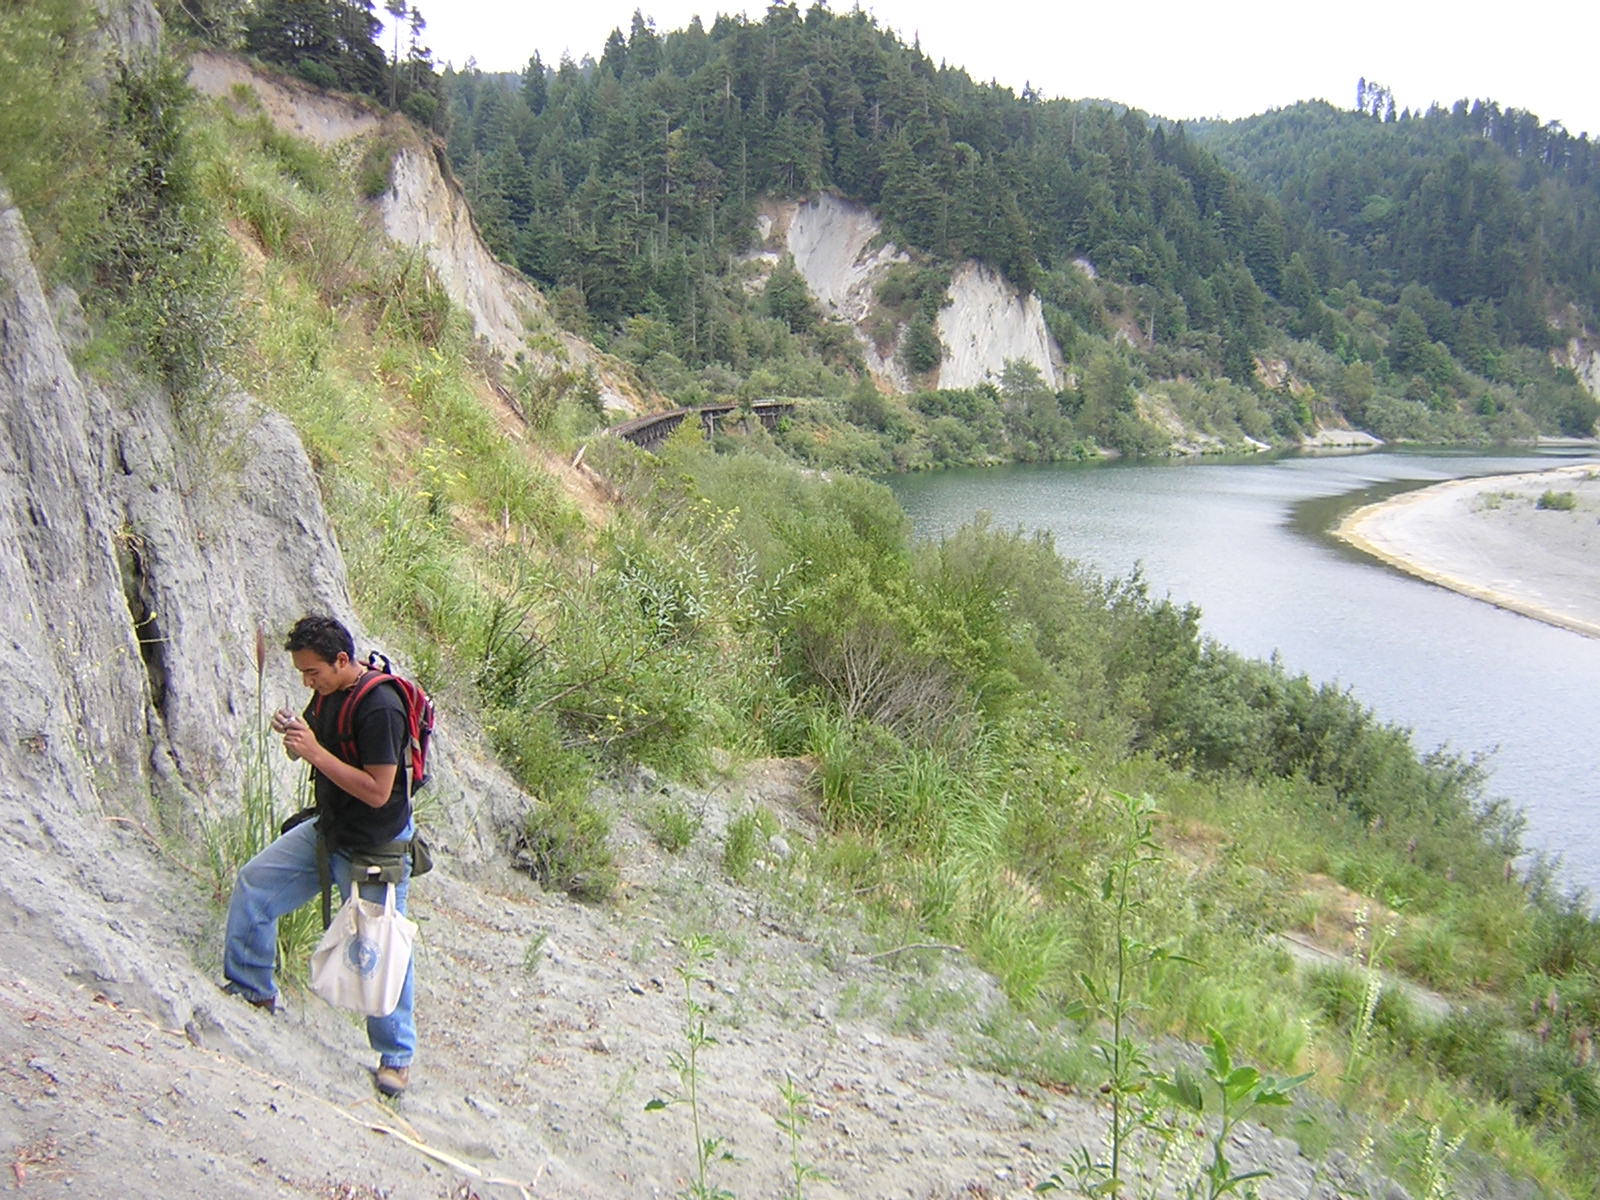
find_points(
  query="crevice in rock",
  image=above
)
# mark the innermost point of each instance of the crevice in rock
(132, 553)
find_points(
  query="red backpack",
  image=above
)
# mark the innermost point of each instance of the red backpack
(419, 718)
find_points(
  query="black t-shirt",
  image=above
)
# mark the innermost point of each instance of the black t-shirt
(380, 738)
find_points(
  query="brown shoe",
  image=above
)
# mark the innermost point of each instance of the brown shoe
(392, 1080)
(270, 1003)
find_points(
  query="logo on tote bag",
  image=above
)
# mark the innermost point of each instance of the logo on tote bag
(361, 954)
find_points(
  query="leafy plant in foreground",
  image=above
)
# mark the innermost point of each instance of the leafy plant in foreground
(792, 1123)
(1114, 1000)
(686, 1063)
(1230, 1093)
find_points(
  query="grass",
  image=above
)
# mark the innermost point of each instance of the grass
(563, 844)
(745, 840)
(231, 839)
(672, 824)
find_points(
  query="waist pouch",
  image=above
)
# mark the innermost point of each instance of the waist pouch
(386, 863)
(373, 864)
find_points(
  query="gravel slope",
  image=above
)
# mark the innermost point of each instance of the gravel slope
(546, 1027)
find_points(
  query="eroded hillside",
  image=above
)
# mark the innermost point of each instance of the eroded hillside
(842, 252)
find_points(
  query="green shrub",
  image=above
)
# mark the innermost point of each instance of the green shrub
(55, 154)
(162, 271)
(374, 171)
(922, 351)
(672, 824)
(1557, 501)
(529, 743)
(746, 837)
(563, 843)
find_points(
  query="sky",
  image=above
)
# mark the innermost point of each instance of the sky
(1227, 58)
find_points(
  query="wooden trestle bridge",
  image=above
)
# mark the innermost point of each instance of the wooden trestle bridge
(650, 431)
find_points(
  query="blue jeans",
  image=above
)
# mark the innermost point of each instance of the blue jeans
(279, 880)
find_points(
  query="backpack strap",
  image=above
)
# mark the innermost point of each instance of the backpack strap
(325, 877)
(345, 725)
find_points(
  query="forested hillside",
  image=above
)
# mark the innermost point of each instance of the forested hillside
(633, 180)
(1431, 277)
(1478, 222)
(1388, 273)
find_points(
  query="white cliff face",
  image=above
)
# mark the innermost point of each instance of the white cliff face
(131, 29)
(424, 208)
(839, 249)
(832, 242)
(1583, 356)
(986, 324)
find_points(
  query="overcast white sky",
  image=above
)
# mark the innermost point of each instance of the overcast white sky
(1226, 58)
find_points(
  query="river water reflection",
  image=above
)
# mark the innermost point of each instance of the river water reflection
(1249, 543)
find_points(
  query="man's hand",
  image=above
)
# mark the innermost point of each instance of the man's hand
(298, 740)
(294, 731)
(370, 785)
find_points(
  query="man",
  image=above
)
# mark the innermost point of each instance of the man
(362, 804)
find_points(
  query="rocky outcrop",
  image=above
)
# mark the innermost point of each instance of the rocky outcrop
(131, 29)
(141, 546)
(1340, 439)
(136, 568)
(1582, 356)
(840, 250)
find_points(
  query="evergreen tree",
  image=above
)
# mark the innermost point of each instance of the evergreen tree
(535, 85)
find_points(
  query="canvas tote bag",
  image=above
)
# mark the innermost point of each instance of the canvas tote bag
(362, 959)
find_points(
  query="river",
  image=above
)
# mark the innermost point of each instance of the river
(1249, 543)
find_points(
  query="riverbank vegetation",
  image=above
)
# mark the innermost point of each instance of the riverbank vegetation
(973, 709)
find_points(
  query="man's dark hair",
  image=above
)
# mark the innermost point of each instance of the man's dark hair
(324, 636)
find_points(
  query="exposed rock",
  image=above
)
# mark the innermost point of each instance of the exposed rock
(1582, 355)
(986, 324)
(841, 252)
(839, 248)
(132, 29)
(292, 105)
(424, 207)
(135, 572)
